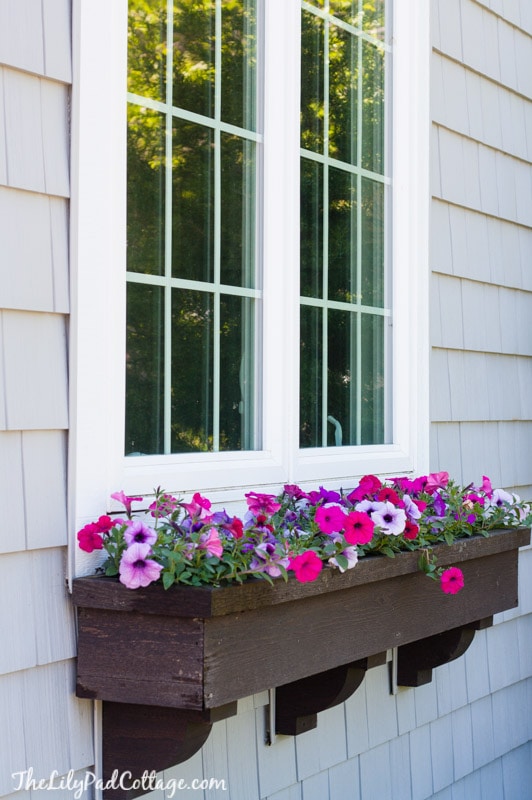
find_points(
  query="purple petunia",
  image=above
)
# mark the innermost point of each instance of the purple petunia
(389, 519)
(136, 568)
(138, 533)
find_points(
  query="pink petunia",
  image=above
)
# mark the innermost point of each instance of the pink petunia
(125, 500)
(486, 486)
(368, 485)
(436, 480)
(199, 508)
(306, 566)
(452, 580)
(136, 568)
(359, 528)
(330, 518)
(211, 543)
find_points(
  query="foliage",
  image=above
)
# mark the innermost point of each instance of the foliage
(190, 543)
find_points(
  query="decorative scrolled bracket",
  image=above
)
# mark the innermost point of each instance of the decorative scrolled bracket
(140, 740)
(297, 704)
(415, 661)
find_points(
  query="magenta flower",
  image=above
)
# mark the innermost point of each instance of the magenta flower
(136, 568)
(486, 486)
(138, 533)
(359, 528)
(389, 519)
(199, 507)
(306, 566)
(90, 538)
(262, 503)
(125, 500)
(330, 518)
(436, 480)
(211, 543)
(368, 485)
(452, 580)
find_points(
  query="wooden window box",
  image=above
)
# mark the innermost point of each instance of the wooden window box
(167, 664)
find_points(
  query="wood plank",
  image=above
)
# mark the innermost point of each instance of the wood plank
(26, 276)
(59, 222)
(21, 35)
(184, 601)
(23, 125)
(451, 28)
(11, 491)
(3, 154)
(12, 737)
(17, 621)
(35, 356)
(55, 141)
(169, 659)
(55, 633)
(57, 28)
(45, 477)
(232, 670)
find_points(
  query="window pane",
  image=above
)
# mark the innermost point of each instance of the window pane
(341, 378)
(144, 369)
(372, 243)
(312, 87)
(342, 224)
(343, 83)
(192, 370)
(237, 367)
(239, 63)
(373, 108)
(237, 256)
(145, 191)
(194, 56)
(342, 270)
(373, 18)
(192, 201)
(347, 10)
(311, 228)
(373, 380)
(311, 357)
(147, 48)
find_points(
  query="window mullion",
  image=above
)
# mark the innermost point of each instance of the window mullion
(167, 317)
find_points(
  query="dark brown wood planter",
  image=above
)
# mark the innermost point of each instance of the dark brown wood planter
(167, 664)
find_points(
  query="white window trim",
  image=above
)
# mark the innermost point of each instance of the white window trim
(98, 224)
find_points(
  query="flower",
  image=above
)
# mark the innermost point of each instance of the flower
(211, 543)
(136, 569)
(306, 566)
(137, 532)
(390, 520)
(262, 503)
(437, 480)
(350, 554)
(89, 538)
(359, 528)
(125, 500)
(452, 580)
(330, 518)
(411, 530)
(190, 543)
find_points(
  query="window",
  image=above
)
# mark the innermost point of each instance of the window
(266, 191)
(193, 359)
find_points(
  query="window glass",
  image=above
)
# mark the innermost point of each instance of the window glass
(345, 386)
(192, 376)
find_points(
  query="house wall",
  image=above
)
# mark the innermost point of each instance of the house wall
(468, 733)
(42, 725)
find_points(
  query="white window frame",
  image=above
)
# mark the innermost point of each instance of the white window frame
(97, 465)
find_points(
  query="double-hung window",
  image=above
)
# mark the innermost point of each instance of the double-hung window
(248, 244)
